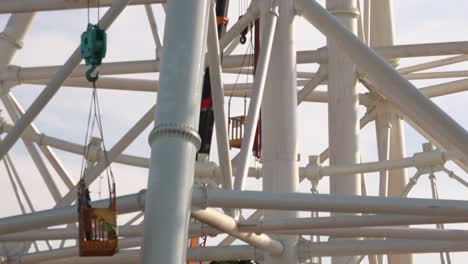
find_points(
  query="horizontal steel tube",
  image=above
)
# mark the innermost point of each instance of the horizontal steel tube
(286, 226)
(436, 75)
(195, 230)
(328, 203)
(367, 247)
(65, 252)
(69, 255)
(422, 50)
(306, 250)
(13, 73)
(445, 88)
(387, 232)
(344, 221)
(419, 160)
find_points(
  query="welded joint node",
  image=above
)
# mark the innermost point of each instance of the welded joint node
(312, 171)
(175, 130)
(429, 160)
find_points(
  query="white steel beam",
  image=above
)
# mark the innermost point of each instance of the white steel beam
(433, 64)
(287, 226)
(19, 74)
(445, 88)
(306, 250)
(347, 221)
(384, 232)
(54, 84)
(329, 203)
(450, 211)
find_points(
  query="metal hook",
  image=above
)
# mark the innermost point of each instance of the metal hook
(89, 73)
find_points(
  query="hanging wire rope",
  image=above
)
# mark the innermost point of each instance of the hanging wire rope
(95, 120)
(98, 11)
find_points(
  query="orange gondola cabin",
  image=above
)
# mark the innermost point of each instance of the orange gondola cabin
(98, 233)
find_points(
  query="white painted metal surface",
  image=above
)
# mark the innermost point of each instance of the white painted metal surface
(174, 139)
(360, 47)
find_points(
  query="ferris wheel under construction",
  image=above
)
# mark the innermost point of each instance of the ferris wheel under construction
(248, 197)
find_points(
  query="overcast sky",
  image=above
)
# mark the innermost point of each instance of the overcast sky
(55, 35)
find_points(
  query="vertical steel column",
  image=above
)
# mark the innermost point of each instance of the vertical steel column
(343, 119)
(279, 122)
(174, 140)
(382, 34)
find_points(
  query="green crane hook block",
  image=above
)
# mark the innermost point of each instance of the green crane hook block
(93, 48)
